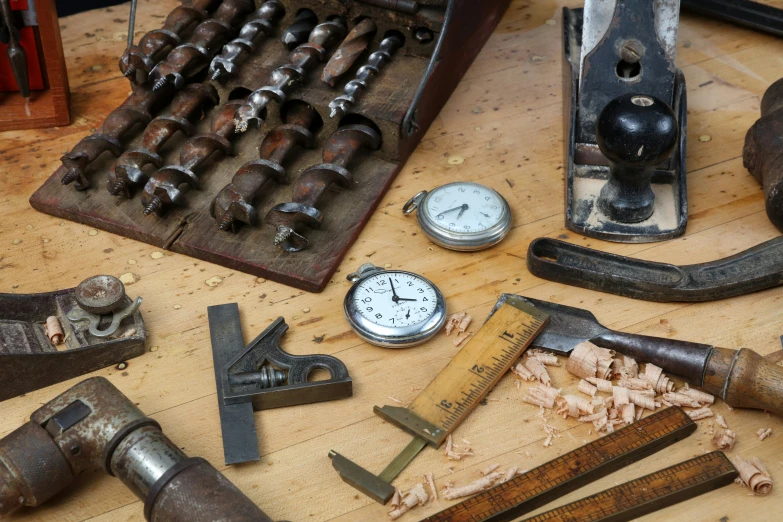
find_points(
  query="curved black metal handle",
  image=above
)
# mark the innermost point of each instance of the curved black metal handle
(754, 269)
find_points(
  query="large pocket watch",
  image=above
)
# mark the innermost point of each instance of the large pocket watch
(462, 215)
(393, 308)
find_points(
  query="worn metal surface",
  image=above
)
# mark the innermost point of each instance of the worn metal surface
(340, 150)
(188, 106)
(29, 361)
(235, 201)
(169, 185)
(762, 152)
(208, 38)
(263, 376)
(138, 60)
(757, 16)
(298, 32)
(631, 56)
(341, 105)
(137, 109)
(235, 52)
(749, 271)
(303, 59)
(354, 45)
(93, 426)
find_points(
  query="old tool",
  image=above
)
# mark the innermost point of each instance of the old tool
(299, 31)
(393, 308)
(626, 116)
(94, 426)
(286, 78)
(261, 376)
(138, 60)
(760, 17)
(97, 324)
(650, 493)
(17, 56)
(392, 41)
(761, 154)
(461, 216)
(235, 52)
(186, 60)
(138, 108)
(235, 201)
(354, 45)
(169, 184)
(402, 6)
(187, 108)
(749, 271)
(341, 149)
(575, 469)
(741, 378)
(452, 395)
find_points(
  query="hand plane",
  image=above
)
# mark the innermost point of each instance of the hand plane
(625, 114)
(261, 376)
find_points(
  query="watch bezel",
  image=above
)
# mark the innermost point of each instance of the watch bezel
(461, 241)
(387, 337)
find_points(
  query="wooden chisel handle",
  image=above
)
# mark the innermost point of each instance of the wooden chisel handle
(744, 379)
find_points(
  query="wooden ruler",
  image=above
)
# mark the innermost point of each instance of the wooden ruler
(650, 493)
(573, 470)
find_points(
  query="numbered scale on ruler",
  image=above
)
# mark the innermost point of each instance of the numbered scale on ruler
(393, 308)
(462, 216)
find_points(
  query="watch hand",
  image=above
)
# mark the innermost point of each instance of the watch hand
(393, 290)
(485, 215)
(450, 210)
(408, 315)
(464, 208)
(404, 299)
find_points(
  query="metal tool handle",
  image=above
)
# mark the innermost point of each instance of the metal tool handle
(754, 269)
(757, 16)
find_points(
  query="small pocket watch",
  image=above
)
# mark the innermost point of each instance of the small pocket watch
(393, 308)
(462, 216)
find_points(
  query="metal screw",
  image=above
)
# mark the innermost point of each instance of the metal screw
(423, 35)
(122, 366)
(154, 206)
(631, 51)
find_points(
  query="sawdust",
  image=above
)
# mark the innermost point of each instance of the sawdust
(128, 278)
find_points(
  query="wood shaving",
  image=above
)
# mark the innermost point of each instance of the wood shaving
(634, 383)
(573, 406)
(478, 485)
(53, 330)
(753, 474)
(454, 321)
(625, 367)
(510, 473)
(593, 417)
(547, 358)
(128, 333)
(701, 397)
(701, 413)
(620, 396)
(460, 338)
(489, 469)
(603, 385)
(724, 439)
(763, 433)
(396, 500)
(720, 421)
(538, 369)
(428, 477)
(628, 413)
(464, 323)
(415, 496)
(682, 399)
(639, 413)
(541, 395)
(654, 375)
(454, 453)
(550, 430)
(588, 360)
(395, 399)
(587, 388)
(523, 373)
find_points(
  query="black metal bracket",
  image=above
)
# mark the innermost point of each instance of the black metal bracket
(262, 376)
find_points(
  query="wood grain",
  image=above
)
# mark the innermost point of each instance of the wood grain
(502, 127)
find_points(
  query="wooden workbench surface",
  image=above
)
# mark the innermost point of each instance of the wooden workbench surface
(503, 127)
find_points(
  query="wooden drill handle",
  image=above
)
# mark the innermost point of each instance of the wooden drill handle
(745, 380)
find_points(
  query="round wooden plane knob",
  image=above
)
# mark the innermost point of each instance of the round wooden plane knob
(636, 133)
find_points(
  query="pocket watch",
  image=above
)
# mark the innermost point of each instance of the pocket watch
(393, 308)
(462, 215)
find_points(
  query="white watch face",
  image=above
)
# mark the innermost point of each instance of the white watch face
(464, 208)
(395, 300)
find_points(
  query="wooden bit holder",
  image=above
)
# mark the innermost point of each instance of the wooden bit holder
(190, 229)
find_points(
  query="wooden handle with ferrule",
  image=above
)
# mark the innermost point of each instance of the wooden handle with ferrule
(744, 379)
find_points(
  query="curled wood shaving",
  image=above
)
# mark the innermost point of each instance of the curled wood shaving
(628, 413)
(550, 430)
(603, 385)
(523, 373)
(460, 338)
(510, 473)
(538, 369)
(573, 406)
(682, 399)
(464, 323)
(53, 330)
(396, 500)
(701, 397)
(541, 395)
(639, 413)
(593, 417)
(654, 375)
(430, 479)
(634, 383)
(625, 367)
(588, 360)
(720, 421)
(415, 496)
(620, 396)
(763, 433)
(753, 474)
(587, 388)
(480, 484)
(547, 358)
(489, 469)
(454, 453)
(724, 439)
(701, 413)
(454, 321)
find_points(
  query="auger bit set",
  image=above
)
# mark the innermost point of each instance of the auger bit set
(261, 134)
